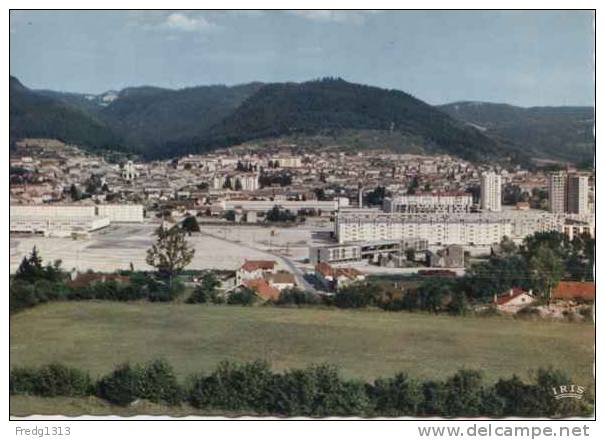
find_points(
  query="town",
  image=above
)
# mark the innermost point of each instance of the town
(268, 214)
(279, 216)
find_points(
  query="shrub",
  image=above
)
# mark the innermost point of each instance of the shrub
(206, 291)
(433, 398)
(397, 396)
(25, 294)
(465, 395)
(23, 381)
(122, 386)
(49, 381)
(243, 296)
(354, 297)
(297, 297)
(190, 224)
(158, 383)
(233, 387)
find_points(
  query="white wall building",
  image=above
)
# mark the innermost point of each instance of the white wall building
(437, 229)
(129, 172)
(429, 203)
(557, 192)
(55, 220)
(491, 192)
(121, 213)
(577, 194)
(294, 206)
(65, 220)
(248, 181)
(288, 161)
(479, 229)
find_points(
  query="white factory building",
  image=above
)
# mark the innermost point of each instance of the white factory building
(288, 161)
(67, 220)
(472, 229)
(429, 203)
(438, 229)
(326, 206)
(121, 213)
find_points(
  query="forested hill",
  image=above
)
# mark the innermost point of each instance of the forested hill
(333, 105)
(161, 123)
(549, 132)
(34, 114)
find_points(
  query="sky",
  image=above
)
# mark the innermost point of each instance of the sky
(517, 57)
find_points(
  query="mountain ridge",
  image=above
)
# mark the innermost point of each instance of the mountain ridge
(161, 122)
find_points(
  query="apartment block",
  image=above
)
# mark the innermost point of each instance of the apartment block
(491, 192)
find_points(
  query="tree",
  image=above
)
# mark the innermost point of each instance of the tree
(413, 185)
(238, 185)
(32, 270)
(546, 268)
(170, 253)
(410, 254)
(376, 197)
(243, 296)
(190, 224)
(74, 192)
(206, 291)
(507, 246)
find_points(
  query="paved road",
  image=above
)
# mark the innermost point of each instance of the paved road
(296, 271)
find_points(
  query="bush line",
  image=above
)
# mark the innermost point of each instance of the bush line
(314, 391)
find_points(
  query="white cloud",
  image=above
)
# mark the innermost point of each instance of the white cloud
(327, 16)
(174, 22)
(181, 22)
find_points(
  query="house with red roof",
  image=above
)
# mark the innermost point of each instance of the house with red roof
(280, 280)
(262, 288)
(513, 300)
(252, 269)
(334, 278)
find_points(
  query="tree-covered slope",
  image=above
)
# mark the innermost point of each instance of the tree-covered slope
(331, 105)
(151, 119)
(548, 132)
(34, 114)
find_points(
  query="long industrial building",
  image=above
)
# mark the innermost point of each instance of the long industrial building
(327, 206)
(445, 202)
(473, 229)
(69, 220)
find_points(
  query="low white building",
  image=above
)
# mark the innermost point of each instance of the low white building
(254, 269)
(445, 202)
(247, 181)
(513, 300)
(55, 220)
(466, 229)
(288, 161)
(437, 229)
(121, 213)
(326, 206)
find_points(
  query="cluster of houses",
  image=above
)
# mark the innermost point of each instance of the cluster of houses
(564, 296)
(263, 277)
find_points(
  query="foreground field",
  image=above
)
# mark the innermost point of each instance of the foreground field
(96, 336)
(22, 406)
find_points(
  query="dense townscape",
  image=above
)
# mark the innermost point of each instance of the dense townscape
(202, 245)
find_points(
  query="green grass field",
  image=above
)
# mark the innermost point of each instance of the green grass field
(96, 336)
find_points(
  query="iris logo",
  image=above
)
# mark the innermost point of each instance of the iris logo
(568, 392)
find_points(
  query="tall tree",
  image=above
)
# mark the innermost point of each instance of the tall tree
(546, 268)
(74, 192)
(170, 253)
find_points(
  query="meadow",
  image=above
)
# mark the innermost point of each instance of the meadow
(97, 336)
